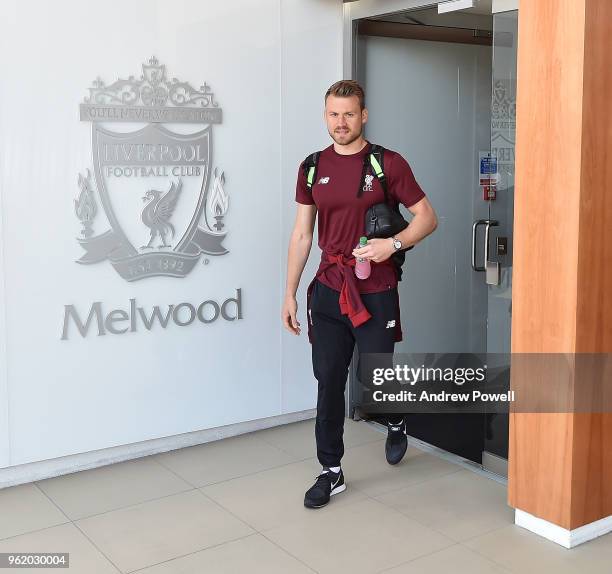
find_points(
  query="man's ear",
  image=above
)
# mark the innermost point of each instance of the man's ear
(364, 115)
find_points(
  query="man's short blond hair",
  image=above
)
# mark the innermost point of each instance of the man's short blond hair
(346, 89)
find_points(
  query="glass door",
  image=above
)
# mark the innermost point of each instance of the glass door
(498, 266)
(427, 78)
(451, 114)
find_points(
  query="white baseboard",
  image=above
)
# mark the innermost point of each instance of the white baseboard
(24, 473)
(562, 536)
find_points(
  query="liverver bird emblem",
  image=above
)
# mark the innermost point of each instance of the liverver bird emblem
(144, 160)
(157, 213)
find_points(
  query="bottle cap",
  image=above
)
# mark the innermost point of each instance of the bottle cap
(363, 241)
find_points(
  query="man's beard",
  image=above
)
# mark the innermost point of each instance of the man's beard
(354, 137)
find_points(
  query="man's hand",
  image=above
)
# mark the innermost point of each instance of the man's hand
(376, 250)
(289, 315)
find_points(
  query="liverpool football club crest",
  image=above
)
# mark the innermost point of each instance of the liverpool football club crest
(162, 206)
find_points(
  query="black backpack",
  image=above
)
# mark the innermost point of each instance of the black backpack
(373, 160)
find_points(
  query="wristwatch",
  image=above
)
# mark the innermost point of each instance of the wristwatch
(397, 244)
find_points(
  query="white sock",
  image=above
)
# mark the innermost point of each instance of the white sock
(335, 469)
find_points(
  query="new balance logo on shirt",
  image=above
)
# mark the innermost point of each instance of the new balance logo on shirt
(390, 324)
(324, 180)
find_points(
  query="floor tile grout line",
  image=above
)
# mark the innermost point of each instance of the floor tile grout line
(303, 460)
(44, 527)
(504, 567)
(346, 448)
(236, 477)
(500, 564)
(450, 540)
(68, 521)
(257, 531)
(97, 547)
(492, 562)
(132, 505)
(416, 558)
(177, 474)
(212, 546)
(52, 502)
(290, 522)
(312, 422)
(250, 435)
(419, 483)
(182, 555)
(273, 445)
(289, 553)
(162, 465)
(254, 473)
(191, 488)
(264, 530)
(79, 529)
(314, 474)
(455, 542)
(461, 542)
(496, 562)
(227, 510)
(166, 496)
(446, 536)
(199, 488)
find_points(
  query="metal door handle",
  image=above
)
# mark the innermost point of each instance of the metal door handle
(488, 223)
(477, 223)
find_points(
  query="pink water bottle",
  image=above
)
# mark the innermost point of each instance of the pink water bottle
(362, 266)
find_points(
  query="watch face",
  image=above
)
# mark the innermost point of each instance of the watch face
(397, 244)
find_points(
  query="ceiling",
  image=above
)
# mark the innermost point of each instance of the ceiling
(479, 17)
(481, 7)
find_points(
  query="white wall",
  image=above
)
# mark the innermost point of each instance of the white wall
(311, 62)
(268, 63)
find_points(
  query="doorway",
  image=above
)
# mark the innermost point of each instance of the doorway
(441, 90)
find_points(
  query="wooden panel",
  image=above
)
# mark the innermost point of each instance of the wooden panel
(547, 198)
(594, 328)
(547, 191)
(539, 465)
(560, 466)
(592, 461)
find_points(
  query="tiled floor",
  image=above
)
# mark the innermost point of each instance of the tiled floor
(235, 506)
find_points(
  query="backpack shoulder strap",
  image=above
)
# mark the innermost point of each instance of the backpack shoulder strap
(377, 161)
(310, 165)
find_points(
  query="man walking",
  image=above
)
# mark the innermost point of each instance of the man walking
(343, 310)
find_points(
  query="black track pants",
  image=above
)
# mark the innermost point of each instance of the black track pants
(333, 341)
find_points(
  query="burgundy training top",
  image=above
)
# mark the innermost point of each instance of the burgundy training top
(342, 214)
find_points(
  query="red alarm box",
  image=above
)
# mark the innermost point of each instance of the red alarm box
(489, 192)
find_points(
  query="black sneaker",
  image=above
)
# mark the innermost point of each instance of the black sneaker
(327, 484)
(397, 442)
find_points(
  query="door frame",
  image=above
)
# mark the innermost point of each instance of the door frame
(352, 12)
